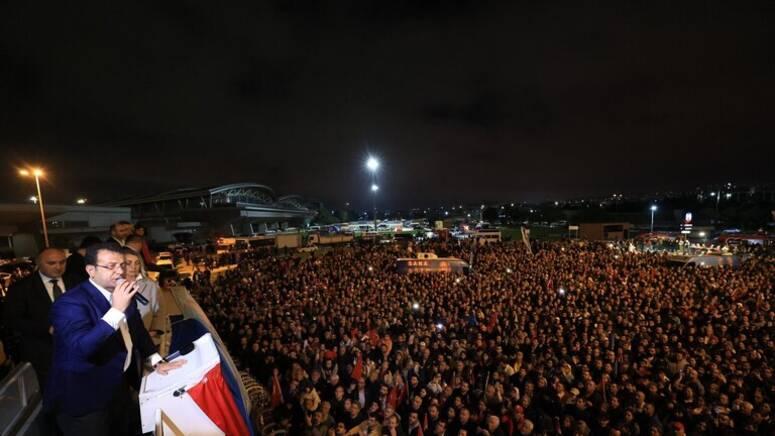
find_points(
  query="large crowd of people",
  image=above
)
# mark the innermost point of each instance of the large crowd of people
(577, 338)
(569, 338)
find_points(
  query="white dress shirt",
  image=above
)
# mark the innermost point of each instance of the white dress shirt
(114, 316)
(50, 286)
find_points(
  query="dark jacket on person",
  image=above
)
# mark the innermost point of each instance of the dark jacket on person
(75, 271)
(89, 354)
(26, 312)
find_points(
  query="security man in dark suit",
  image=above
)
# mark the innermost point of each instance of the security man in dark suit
(27, 306)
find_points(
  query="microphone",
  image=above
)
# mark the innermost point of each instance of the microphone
(185, 349)
(138, 296)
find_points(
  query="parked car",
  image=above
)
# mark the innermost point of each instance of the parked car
(13, 271)
(164, 260)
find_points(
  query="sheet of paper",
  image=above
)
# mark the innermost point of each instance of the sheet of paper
(202, 359)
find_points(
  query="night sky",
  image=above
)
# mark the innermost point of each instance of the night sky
(464, 101)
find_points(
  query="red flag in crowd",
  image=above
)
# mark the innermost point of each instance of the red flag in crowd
(358, 370)
(277, 391)
(493, 322)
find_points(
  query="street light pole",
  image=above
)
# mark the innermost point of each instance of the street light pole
(36, 172)
(373, 164)
(653, 209)
(374, 189)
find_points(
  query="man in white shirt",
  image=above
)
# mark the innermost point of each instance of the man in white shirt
(97, 330)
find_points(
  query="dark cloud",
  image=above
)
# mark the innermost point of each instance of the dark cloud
(464, 100)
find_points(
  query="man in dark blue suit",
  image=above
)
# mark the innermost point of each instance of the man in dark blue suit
(97, 330)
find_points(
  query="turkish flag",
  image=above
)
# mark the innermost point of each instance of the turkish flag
(358, 370)
(216, 401)
(277, 392)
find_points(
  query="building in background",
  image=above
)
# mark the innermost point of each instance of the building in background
(20, 227)
(604, 231)
(240, 209)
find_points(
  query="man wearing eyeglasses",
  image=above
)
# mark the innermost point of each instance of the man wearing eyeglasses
(97, 329)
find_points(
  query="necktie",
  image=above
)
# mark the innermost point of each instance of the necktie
(56, 290)
(124, 328)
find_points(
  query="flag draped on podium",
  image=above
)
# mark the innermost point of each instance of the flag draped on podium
(214, 397)
(222, 397)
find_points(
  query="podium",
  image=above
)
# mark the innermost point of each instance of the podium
(166, 395)
(206, 395)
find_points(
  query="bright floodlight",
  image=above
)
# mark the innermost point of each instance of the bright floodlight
(34, 199)
(37, 172)
(374, 187)
(372, 164)
(81, 201)
(653, 207)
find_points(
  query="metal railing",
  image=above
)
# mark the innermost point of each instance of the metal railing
(20, 400)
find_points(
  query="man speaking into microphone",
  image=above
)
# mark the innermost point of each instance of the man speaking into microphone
(97, 328)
